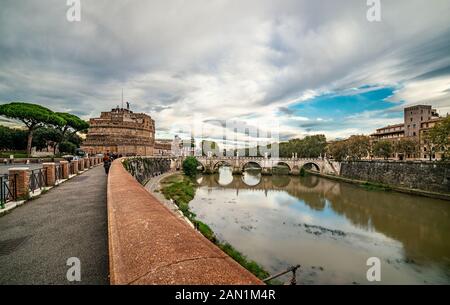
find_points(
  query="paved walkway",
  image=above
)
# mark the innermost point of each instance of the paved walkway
(69, 221)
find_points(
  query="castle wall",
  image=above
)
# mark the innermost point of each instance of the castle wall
(121, 131)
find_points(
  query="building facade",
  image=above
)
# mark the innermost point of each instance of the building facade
(122, 132)
(163, 147)
(417, 121)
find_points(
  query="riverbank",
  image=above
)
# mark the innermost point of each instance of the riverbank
(371, 185)
(176, 189)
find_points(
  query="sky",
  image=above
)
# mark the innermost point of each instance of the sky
(310, 67)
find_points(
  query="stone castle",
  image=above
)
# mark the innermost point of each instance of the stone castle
(121, 131)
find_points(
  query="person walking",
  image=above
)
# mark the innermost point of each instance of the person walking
(107, 163)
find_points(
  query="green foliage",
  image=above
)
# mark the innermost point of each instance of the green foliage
(67, 147)
(338, 150)
(358, 147)
(178, 188)
(250, 265)
(33, 116)
(46, 136)
(439, 136)
(406, 146)
(190, 166)
(308, 147)
(13, 139)
(354, 148)
(370, 186)
(73, 122)
(44, 126)
(383, 149)
(302, 172)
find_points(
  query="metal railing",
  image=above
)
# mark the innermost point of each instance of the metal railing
(8, 189)
(292, 269)
(58, 172)
(38, 179)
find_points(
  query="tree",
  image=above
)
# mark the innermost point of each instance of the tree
(308, 147)
(67, 147)
(190, 165)
(383, 149)
(312, 146)
(338, 150)
(358, 147)
(73, 125)
(33, 116)
(46, 136)
(439, 136)
(406, 146)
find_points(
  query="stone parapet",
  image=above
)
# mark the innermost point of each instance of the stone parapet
(148, 244)
(49, 169)
(19, 180)
(65, 171)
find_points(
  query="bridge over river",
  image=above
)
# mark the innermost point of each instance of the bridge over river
(294, 165)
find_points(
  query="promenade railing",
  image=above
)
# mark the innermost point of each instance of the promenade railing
(8, 189)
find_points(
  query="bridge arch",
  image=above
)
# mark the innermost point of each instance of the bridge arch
(311, 166)
(220, 163)
(201, 166)
(247, 163)
(281, 163)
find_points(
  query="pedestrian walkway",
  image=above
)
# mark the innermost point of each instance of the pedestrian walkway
(37, 239)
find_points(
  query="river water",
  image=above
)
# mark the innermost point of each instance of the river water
(330, 228)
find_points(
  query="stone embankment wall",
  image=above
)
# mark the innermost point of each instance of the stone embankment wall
(427, 176)
(148, 244)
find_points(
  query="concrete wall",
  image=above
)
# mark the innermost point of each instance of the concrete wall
(427, 176)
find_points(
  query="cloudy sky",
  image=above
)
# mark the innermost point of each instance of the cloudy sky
(309, 66)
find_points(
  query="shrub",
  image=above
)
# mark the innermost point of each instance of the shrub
(190, 166)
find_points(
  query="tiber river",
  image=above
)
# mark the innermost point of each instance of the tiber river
(329, 228)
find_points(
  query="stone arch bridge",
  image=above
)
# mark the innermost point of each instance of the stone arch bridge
(239, 164)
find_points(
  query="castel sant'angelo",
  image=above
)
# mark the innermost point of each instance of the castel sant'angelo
(121, 131)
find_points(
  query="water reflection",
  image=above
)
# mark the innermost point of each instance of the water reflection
(282, 220)
(250, 177)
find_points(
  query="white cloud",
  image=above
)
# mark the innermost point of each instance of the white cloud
(221, 59)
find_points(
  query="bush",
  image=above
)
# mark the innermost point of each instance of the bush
(190, 166)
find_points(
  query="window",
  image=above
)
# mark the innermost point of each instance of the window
(421, 118)
(414, 134)
(411, 119)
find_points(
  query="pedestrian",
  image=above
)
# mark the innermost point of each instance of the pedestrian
(107, 163)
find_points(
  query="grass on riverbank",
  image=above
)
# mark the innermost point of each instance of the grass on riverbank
(370, 186)
(181, 190)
